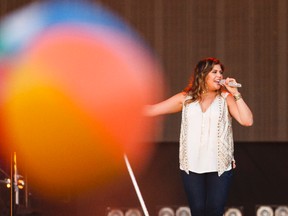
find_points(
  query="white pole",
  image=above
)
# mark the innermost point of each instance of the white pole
(136, 186)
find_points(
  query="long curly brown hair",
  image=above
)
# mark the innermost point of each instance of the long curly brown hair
(197, 84)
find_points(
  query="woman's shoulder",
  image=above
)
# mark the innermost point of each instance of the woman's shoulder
(177, 98)
(184, 96)
(180, 95)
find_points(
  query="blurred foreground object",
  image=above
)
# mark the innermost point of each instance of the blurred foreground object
(74, 81)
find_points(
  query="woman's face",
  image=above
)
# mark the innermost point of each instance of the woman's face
(213, 78)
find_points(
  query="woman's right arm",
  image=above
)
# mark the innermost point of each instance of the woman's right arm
(171, 105)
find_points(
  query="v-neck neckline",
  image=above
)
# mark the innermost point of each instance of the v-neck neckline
(203, 112)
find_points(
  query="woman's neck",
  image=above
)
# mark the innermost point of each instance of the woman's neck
(209, 94)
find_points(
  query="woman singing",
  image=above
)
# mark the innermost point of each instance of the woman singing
(206, 150)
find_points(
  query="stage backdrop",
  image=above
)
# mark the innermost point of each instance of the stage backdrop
(249, 37)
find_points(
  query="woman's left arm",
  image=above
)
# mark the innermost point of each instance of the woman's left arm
(239, 109)
(237, 106)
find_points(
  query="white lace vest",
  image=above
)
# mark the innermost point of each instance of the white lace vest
(225, 144)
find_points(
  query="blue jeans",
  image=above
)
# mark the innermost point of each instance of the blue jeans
(207, 193)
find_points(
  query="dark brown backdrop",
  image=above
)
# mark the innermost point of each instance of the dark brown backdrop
(248, 36)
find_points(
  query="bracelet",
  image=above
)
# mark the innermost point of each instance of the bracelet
(237, 97)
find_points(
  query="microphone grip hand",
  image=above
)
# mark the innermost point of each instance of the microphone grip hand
(230, 84)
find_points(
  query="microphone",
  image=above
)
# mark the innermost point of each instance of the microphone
(231, 84)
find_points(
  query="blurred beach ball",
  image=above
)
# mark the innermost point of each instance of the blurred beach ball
(73, 86)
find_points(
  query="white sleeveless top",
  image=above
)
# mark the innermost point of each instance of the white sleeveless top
(206, 142)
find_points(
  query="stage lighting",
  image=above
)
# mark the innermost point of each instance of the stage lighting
(20, 182)
(233, 212)
(115, 212)
(281, 211)
(133, 212)
(8, 182)
(166, 211)
(183, 211)
(265, 211)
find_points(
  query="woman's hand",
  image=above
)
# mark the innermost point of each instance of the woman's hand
(232, 90)
(237, 106)
(233, 164)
